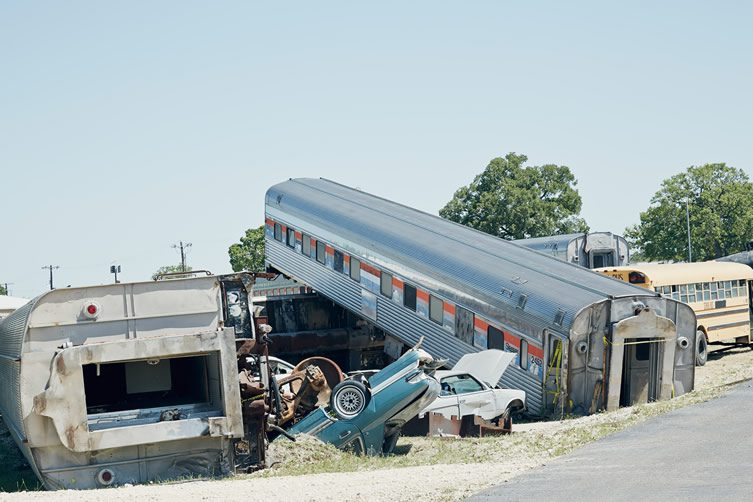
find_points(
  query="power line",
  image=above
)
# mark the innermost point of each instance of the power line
(183, 251)
(51, 268)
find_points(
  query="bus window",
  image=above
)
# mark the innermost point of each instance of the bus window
(636, 278)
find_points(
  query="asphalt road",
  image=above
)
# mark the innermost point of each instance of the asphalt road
(701, 452)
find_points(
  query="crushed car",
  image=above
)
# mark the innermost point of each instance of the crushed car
(469, 403)
(366, 415)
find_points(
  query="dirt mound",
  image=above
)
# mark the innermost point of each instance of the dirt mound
(306, 449)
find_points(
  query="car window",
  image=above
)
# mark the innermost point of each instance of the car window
(460, 384)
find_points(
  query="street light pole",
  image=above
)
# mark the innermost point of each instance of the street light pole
(687, 216)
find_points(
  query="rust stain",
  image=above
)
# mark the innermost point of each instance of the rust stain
(60, 365)
(70, 436)
(40, 403)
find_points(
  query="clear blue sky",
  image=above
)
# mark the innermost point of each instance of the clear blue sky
(126, 127)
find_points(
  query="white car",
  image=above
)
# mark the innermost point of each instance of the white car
(470, 400)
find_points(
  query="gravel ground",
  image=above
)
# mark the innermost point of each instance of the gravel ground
(447, 480)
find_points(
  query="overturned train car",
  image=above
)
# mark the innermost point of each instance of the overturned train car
(125, 383)
(584, 342)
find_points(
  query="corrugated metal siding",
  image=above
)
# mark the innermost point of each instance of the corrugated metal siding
(12, 330)
(393, 318)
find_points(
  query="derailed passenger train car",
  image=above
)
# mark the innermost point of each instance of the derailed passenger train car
(125, 383)
(584, 342)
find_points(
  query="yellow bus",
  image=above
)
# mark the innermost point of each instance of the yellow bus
(718, 292)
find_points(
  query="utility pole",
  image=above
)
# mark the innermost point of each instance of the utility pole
(6, 284)
(183, 250)
(115, 269)
(51, 268)
(687, 216)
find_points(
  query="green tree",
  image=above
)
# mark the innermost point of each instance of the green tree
(720, 203)
(3, 291)
(514, 201)
(248, 254)
(169, 269)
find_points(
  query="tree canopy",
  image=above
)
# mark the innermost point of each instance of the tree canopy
(514, 201)
(3, 291)
(169, 269)
(248, 254)
(720, 204)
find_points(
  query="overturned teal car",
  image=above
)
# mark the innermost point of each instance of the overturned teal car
(366, 416)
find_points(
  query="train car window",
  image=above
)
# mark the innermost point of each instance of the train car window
(436, 309)
(291, 237)
(524, 354)
(385, 283)
(338, 261)
(495, 338)
(306, 245)
(409, 296)
(278, 232)
(321, 251)
(464, 324)
(355, 269)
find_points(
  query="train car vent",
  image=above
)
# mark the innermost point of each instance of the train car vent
(522, 300)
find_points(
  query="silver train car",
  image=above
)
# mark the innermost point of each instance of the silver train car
(122, 383)
(590, 250)
(584, 342)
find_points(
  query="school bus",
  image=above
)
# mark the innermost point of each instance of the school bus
(718, 292)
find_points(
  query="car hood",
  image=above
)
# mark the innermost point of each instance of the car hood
(487, 365)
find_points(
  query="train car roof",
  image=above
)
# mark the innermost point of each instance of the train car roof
(562, 238)
(745, 257)
(664, 274)
(484, 267)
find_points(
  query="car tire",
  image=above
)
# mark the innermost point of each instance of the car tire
(701, 348)
(349, 398)
(388, 446)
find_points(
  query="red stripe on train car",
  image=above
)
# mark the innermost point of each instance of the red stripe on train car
(368, 268)
(512, 340)
(330, 249)
(422, 295)
(481, 324)
(346, 259)
(270, 222)
(298, 235)
(449, 308)
(397, 283)
(536, 351)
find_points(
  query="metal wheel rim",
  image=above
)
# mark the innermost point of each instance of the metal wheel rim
(350, 401)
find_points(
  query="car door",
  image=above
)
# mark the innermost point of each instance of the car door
(474, 398)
